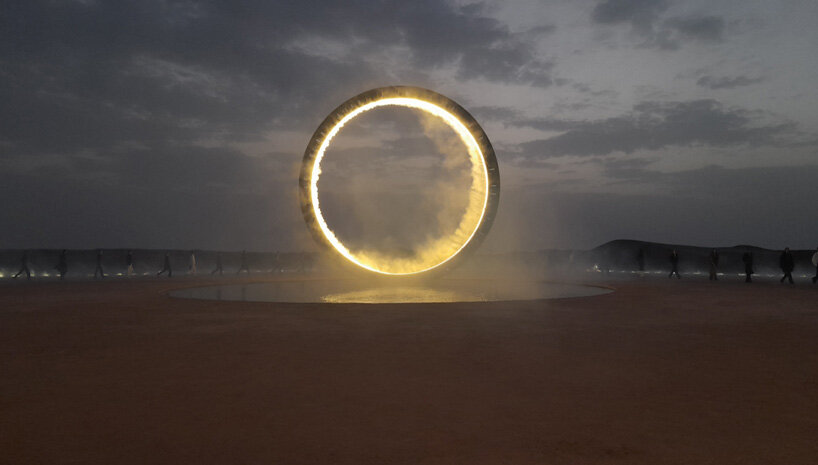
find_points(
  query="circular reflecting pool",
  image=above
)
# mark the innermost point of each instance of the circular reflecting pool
(343, 291)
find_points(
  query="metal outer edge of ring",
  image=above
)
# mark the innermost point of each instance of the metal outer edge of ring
(409, 92)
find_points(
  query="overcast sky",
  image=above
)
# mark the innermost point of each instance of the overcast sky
(181, 124)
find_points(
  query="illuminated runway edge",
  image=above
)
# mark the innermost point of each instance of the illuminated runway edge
(343, 291)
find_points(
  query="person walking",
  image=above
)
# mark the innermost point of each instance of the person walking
(815, 262)
(62, 264)
(674, 264)
(218, 265)
(24, 266)
(243, 266)
(714, 265)
(787, 264)
(747, 258)
(99, 269)
(129, 264)
(166, 266)
(192, 266)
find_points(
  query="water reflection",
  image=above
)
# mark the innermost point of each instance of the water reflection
(398, 294)
(343, 291)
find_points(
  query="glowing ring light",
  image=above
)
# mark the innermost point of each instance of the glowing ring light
(484, 195)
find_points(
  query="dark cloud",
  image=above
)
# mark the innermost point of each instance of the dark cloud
(645, 19)
(78, 76)
(506, 62)
(652, 126)
(441, 35)
(640, 14)
(726, 82)
(709, 28)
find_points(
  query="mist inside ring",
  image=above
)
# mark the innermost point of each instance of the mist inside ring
(401, 189)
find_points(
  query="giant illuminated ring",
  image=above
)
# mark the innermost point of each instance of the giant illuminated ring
(484, 195)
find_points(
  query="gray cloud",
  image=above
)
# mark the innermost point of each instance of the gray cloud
(726, 82)
(628, 169)
(587, 89)
(652, 126)
(493, 113)
(192, 168)
(718, 182)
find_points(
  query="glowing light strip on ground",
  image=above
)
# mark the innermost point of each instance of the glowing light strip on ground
(480, 186)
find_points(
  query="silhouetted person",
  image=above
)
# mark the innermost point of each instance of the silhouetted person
(601, 257)
(24, 266)
(129, 263)
(747, 258)
(243, 266)
(218, 265)
(674, 264)
(640, 260)
(787, 264)
(815, 262)
(714, 265)
(192, 267)
(99, 269)
(62, 264)
(166, 266)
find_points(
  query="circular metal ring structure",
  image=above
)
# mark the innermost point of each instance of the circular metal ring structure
(484, 196)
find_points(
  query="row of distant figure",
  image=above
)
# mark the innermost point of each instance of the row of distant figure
(786, 262)
(99, 271)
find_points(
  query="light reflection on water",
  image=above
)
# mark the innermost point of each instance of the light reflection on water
(341, 291)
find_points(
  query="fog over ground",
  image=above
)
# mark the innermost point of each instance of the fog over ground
(181, 124)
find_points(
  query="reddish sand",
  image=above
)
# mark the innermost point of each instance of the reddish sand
(658, 372)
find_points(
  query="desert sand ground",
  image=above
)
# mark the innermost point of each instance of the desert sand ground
(657, 372)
